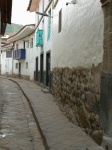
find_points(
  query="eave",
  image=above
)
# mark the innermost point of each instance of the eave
(24, 32)
(33, 4)
(6, 9)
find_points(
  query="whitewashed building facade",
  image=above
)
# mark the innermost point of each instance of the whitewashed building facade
(23, 62)
(5, 6)
(6, 59)
(43, 40)
(77, 58)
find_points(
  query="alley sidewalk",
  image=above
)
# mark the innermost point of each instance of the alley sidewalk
(59, 133)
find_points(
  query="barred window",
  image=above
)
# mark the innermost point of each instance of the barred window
(60, 21)
(26, 65)
(28, 44)
(31, 43)
(8, 54)
(16, 66)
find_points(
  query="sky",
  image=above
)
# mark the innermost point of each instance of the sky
(20, 15)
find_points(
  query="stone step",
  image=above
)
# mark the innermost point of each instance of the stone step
(107, 142)
(95, 148)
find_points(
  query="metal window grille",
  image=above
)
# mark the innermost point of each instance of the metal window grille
(60, 21)
(8, 54)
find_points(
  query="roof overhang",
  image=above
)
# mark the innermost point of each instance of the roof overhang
(24, 32)
(33, 5)
(6, 47)
(6, 9)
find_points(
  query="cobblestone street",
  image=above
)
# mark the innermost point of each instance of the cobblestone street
(18, 130)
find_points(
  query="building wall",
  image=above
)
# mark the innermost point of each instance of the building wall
(77, 57)
(47, 46)
(6, 64)
(27, 73)
(80, 43)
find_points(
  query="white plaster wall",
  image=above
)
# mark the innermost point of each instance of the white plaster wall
(80, 43)
(6, 64)
(30, 58)
(47, 46)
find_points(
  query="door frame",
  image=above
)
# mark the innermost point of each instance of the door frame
(19, 69)
(41, 68)
(48, 70)
(36, 68)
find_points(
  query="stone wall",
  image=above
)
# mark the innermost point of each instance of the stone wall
(77, 91)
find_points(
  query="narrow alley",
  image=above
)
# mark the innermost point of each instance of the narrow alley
(18, 130)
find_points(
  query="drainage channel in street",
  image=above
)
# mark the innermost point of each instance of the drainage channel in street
(18, 129)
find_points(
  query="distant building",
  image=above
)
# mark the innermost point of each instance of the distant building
(5, 17)
(6, 59)
(23, 62)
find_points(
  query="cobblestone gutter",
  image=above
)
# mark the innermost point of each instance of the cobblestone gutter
(77, 91)
(2, 105)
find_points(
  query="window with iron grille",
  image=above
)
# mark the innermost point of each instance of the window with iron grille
(60, 21)
(17, 46)
(28, 44)
(26, 65)
(31, 43)
(49, 25)
(8, 54)
(16, 66)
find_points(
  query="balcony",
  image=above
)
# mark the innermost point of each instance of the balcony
(39, 38)
(19, 54)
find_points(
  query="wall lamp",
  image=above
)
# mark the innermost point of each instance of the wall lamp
(72, 2)
(43, 14)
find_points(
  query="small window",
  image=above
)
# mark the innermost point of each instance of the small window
(16, 65)
(26, 65)
(31, 43)
(43, 5)
(60, 21)
(8, 54)
(16, 46)
(24, 44)
(28, 44)
(49, 24)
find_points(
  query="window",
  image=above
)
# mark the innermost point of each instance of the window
(38, 16)
(17, 46)
(26, 65)
(28, 44)
(8, 54)
(43, 5)
(49, 24)
(60, 21)
(16, 65)
(31, 43)
(24, 44)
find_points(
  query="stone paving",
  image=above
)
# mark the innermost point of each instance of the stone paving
(60, 134)
(18, 130)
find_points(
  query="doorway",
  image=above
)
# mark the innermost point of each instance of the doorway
(48, 68)
(37, 69)
(41, 68)
(19, 73)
